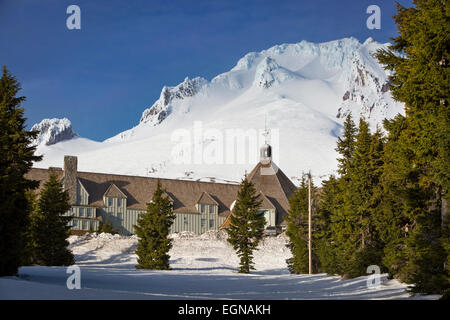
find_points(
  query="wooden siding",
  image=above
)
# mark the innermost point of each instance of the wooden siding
(125, 219)
(82, 195)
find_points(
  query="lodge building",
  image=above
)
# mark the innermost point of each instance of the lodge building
(198, 206)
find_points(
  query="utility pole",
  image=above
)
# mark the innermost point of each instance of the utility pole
(309, 223)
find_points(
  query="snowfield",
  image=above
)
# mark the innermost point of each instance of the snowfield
(203, 267)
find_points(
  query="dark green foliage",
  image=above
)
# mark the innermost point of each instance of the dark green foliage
(416, 175)
(16, 159)
(49, 228)
(107, 227)
(152, 229)
(346, 146)
(347, 241)
(297, 230)
(326, 247)
(247, 225)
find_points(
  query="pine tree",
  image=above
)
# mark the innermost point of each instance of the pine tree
(49, 227)
(16, 159)
(326, 246)
(344, 230)
(152, 229)
(351, 203)
(416, 175)
(107, 227)
(346, 146)
(297, 230)
(247, 225)
(365, 174)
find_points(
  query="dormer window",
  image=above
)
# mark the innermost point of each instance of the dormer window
(114, 192)
(206, 204)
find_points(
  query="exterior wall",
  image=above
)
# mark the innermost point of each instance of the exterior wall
(82, 195)
(84, 218)
(197, 222)
(270, 217)
(115, 210)
(125, 219)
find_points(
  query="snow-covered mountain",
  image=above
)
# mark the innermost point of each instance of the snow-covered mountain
(52, 131)
(301, 91)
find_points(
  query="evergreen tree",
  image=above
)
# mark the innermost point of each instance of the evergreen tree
(355, 198)
(28, 256)
(329, 201)
(247, 225)
(344, 220)
(152, 229)
(49, 226)
(416, 175)
(346, 146)
(16, 159)
(107, 227)
(297, 230)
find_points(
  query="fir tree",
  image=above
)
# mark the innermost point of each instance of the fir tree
(346, 146)
(16, 159)
(329, 201)
(297, 230)
(107, 227)
(416, 173)
(49, 226)
(356, 199)
(247, 225)
(152, 229)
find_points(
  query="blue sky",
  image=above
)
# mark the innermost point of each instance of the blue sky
(103, 76)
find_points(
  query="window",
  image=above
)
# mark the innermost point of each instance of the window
(211, 223)
(88, 212)
(185, 220)
(81, 212)
(203, 222)
(211, 209)
(119, 215)
(84, 225)
(266, 215)
(75, 223)
(110, 202)
(119, 202)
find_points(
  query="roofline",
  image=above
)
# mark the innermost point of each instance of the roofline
(153, 178)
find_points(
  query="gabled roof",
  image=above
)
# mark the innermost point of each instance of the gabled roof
(266, 203)
(275, 185)
(206, 198)
(139, 190)
(165, 194)
(114, 191)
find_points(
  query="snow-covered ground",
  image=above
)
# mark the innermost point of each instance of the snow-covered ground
(203, 267)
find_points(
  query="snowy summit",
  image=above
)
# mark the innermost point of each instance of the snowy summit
(52, 131)
(301, 91)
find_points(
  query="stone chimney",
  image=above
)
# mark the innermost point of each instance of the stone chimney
(70, 177)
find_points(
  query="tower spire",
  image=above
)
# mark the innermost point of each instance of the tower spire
(266, 149)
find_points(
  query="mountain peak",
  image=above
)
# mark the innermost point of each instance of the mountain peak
(52, 131)
(162, 108)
